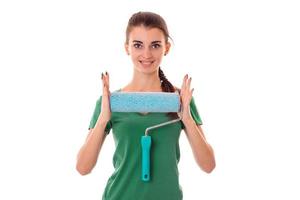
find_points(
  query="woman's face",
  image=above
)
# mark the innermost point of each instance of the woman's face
(146, 46)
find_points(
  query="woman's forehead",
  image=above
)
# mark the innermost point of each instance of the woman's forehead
(140, 33)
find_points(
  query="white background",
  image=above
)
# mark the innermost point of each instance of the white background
(242, 55)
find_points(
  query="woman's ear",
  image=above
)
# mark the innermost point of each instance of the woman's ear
(126, 48)
(168, 46)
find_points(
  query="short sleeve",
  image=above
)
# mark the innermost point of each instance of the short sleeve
(194, 113)
(96, 114)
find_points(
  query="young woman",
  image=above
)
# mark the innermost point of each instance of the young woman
(147, 43)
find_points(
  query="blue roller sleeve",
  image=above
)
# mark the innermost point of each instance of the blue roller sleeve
(146, 145)
(144, 102)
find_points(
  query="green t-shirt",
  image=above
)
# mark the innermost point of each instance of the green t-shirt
(128, 128)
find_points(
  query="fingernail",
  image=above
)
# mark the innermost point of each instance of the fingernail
(106, 72)
(102, 75)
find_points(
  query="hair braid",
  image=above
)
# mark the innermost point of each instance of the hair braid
(165, 83)
(167, 87)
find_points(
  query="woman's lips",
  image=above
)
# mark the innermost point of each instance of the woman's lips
(146, 63)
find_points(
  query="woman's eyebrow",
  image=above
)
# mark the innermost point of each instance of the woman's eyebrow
(157, 41)
(137, 41)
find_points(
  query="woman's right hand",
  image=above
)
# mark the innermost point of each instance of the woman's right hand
(105, 114)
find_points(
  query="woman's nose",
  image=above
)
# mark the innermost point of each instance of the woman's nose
(147, 53)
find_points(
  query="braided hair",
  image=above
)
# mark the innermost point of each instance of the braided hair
(167, 86)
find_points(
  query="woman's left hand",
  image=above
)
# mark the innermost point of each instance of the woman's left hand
(186, 96)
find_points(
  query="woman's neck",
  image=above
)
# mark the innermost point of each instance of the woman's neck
(142, 82)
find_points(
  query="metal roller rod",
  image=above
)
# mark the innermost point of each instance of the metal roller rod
(162, 124)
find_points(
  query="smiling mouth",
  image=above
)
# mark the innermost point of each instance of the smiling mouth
(146, 62)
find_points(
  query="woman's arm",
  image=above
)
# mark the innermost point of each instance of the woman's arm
(203, 152)
(88, 154)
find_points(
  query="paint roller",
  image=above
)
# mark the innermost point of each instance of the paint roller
(162, 102)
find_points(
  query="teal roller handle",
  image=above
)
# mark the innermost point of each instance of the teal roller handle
(146, 144)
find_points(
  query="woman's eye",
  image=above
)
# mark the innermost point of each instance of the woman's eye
(137, 46)
(155, 46)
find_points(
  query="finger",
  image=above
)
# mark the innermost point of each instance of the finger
(104, 85)
(184, 82)
(107, 79)
(108, 84)
(102, 79)
(189, 83)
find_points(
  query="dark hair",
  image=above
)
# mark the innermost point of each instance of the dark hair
(153, 20)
